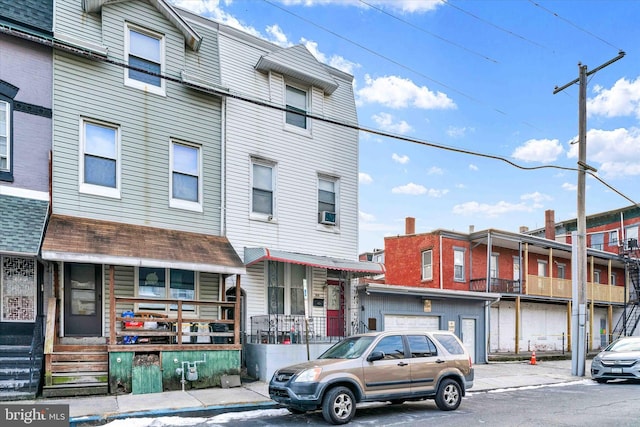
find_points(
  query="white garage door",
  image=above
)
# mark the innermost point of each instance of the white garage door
(411, 323)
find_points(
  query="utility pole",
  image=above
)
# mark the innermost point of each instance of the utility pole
(579, 346)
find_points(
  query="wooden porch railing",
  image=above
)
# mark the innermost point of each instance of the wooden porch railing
(169, 332)
(548, 287)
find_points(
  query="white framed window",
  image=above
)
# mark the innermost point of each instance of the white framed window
(144, 51)
(493, 271)
(562, 271)
(263, 187)
(285, 288)
(297, 105)
(542, 268)
(185, 185)
(597, 241)
(613, 238)
(596, 276)
(166, 283)
(458, 265)
(327, 200)
(631, 237)
(99, 158)
(613, 279)
(427, 265)
(5, 138)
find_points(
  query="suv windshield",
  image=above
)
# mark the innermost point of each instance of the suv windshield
(350, 348)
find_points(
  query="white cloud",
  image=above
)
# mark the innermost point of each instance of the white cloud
(335, 61)
(277, 35)
(614, 153)
(364, 178)
(473, 167)
(211, 9)
(407, 6)
(485, 209)
(417, 190)
(569, 187)
(404, 159)
(365, 217)
(458, 132)
(623, 99)
(539, 150)
(385, 122)
(434, 170)
(536, 197)
(396, 92)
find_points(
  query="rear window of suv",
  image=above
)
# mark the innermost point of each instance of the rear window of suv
(450, 343)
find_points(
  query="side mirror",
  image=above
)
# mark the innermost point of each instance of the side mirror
(376, 355)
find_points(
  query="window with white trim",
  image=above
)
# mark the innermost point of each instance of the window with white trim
(613, 279)
(186, 176)
(613, 238)
(100, 158)
(296, 106)
(263, 185)
(458, 265)
(561, 271)
(596, 276)
(285, 288)
(327, 200)
(427, 265)
(597, 241)
(166, 283)
(5, 138)
(145, 56)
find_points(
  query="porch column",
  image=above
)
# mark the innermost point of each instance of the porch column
(517, 334)
(236, 315)
(112, 306)
(569, 326)
(591, 310)
(551, 272)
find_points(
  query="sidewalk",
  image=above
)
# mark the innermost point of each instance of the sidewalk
(98, 410)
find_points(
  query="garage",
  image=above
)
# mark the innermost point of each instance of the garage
(411, 323)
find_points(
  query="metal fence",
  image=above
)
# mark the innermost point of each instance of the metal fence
(295, 329)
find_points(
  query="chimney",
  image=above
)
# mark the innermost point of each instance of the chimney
(524, 229)
(410, 225)
(472, 228)
(549, 224)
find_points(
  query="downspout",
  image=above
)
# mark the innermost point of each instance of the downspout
(440, 260)
(488, 276)
(223, 169)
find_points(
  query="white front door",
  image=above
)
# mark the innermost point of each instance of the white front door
(469, 337)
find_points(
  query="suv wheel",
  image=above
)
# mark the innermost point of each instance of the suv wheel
(449, 395)
(338, 405)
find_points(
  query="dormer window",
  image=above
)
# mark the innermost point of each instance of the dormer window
(296, 107)
(145, 54)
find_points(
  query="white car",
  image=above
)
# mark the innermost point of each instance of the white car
(619, 360)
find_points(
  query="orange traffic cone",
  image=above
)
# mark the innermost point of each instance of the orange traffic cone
(533, 358)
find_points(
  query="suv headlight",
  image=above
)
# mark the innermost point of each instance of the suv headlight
(308, 376)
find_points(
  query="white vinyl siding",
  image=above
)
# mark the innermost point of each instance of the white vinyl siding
(332, 150)
(99, 158)
(427, 265)
(145, 54)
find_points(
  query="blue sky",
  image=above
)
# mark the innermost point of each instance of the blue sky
(477, 76)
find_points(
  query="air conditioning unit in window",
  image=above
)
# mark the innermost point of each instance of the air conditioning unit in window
(328, 218)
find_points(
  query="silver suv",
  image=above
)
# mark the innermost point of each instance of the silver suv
(382, 366)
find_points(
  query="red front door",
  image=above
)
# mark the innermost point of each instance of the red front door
(335, 309)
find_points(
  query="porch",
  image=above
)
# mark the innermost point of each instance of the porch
(548, 287)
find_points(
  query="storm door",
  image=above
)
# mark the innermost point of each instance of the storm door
(82, 300)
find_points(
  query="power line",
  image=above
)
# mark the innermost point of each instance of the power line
(393, 61)
(223, 93)
(511, 33)
(573, 25)
(404, 21)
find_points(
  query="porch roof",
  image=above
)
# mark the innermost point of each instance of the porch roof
(76, 239)
(22, 222)
(254, 255)
(433, 293)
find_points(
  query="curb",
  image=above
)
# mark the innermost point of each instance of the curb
(204, 411)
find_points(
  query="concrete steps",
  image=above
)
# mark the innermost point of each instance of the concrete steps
(19, 374)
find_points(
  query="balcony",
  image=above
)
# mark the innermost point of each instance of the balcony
(502, 286)
(549, 287)
(294, 329)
